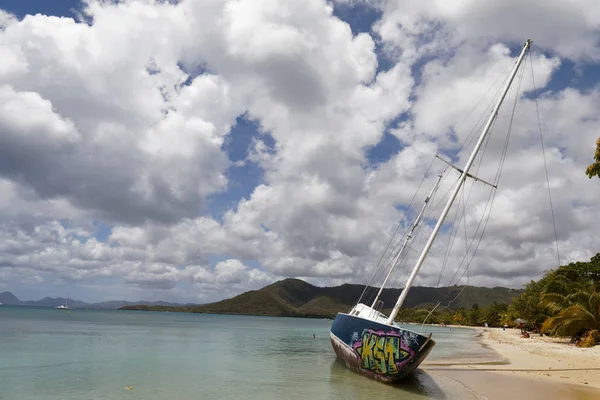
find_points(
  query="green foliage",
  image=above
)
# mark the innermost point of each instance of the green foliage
(565, 302)
(474, 316)
(574, 312)
(594, 169)
(526, 306)
(493, 314)
(581, 270)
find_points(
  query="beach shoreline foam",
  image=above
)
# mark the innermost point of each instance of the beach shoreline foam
(532, 368)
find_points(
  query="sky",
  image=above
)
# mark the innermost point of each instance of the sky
(189, 151)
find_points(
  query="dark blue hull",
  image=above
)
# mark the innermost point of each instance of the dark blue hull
(378, 350)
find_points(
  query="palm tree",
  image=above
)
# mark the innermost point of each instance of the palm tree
(574, 313)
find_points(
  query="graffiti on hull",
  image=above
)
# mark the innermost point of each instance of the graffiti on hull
(382, 352)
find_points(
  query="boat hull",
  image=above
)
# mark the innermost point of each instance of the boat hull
(377, 350)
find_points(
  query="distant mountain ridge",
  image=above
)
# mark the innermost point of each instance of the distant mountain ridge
(9, 299)
(297, 298)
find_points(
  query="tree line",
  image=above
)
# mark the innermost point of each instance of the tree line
(564, 302)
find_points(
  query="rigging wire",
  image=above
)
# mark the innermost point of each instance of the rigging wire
(465, 220)
(490, 201)
(402, 262)
(449, 245)
(475, 128)
(417, 235)
(393, 235)
(537, 109)
(477, 168)
(466, 142)
(493, 192)
(407, 257)
(478, 126)
(378, 272)
(453, 233)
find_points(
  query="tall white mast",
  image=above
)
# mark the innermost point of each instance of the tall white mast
(408, 237)
(463, 176)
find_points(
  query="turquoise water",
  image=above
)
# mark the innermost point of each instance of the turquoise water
(89, 354)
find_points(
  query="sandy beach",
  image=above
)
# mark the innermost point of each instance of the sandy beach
(533, 368)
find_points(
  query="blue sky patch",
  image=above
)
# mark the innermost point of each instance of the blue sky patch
(58, 8)
(102, 231)
(360, 16)
(384, 150)
(242, 178)
(192, 72)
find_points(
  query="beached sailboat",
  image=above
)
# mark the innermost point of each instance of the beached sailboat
(373, 344)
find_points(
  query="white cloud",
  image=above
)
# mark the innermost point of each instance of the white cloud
(417, 28)
(115, 87)
(101, 122)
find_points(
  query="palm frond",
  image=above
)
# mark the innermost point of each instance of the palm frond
(580, 297)
(553, 303)
(571, 321)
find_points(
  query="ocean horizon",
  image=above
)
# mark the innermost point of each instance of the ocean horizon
(52, 354)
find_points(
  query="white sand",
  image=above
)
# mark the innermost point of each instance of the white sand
(544, 357)
(537, 367)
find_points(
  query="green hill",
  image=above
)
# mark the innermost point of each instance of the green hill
(297, 298)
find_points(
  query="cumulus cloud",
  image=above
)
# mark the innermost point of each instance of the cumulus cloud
(114, 131)
(414, 28)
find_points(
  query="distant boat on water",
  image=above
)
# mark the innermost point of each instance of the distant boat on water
(64, 306)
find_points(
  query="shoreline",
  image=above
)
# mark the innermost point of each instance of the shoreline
(537, 367)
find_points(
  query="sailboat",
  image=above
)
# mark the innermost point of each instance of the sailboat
(64, 306)
(373, 344)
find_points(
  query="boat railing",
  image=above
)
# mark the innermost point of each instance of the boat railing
(378, 306)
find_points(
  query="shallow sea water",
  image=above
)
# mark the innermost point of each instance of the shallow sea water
(90, 354)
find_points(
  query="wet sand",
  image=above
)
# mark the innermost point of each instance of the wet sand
(534, 368)
(503, 385)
